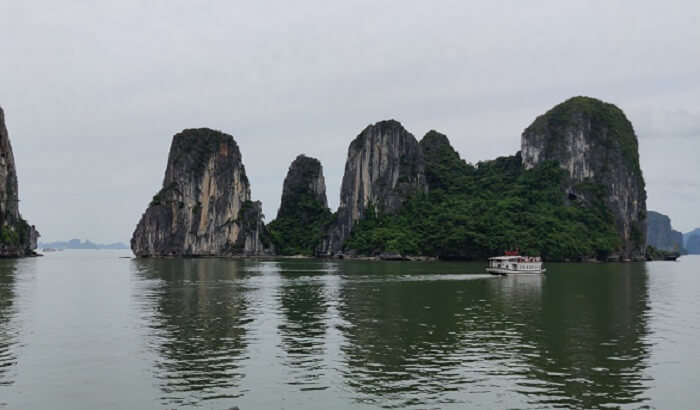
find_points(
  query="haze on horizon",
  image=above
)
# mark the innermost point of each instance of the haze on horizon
(94, 91)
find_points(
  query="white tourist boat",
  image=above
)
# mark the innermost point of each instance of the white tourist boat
(514, 263)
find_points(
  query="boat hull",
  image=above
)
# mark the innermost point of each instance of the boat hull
(502, 271)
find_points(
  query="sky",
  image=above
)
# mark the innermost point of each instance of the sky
(93, 91)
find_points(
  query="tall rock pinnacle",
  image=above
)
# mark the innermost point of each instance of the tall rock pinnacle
(384, 167)
(303, 214)
(204, 207)
(596, 144)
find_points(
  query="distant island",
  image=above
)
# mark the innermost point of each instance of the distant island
(663, 242)
(78, 244)
(691, 241)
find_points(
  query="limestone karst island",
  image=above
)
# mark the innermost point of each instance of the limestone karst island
(574, 192)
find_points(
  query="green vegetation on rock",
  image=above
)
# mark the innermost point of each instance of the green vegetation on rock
(606, 121)
(480, 211)
(299, 233)
(15, 235)
(303, 217)
(194, 147)
(8, 236)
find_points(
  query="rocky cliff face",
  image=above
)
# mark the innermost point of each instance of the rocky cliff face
(303, 214)
(384, 167)
(204, 207)
(17, 237)
(596, 144)
(304, 182)
(661, 235)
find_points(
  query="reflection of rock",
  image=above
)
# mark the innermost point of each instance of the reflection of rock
(197, 320)
(583, 336)
(402, 335)
(303, 331)
(7, 335)
(570, 339)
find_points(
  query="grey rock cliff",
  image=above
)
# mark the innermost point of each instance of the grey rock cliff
(204, 207)
(661, 235)
(17, 238)
(304, 181)
(596, 144)
(384, 167)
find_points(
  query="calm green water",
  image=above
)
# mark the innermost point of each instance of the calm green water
(91, 330)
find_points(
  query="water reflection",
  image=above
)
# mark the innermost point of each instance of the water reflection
(573, 338)
(197, 314)
(401, 339)
(8, 333)
(587, 348)
(304, 305)
(395, 335)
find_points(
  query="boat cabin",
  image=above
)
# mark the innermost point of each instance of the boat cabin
(515, 264)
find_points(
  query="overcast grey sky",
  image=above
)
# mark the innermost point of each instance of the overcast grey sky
(93, 91)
